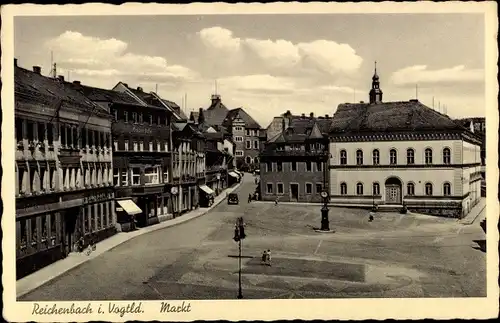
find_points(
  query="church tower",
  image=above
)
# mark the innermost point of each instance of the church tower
(375, 92)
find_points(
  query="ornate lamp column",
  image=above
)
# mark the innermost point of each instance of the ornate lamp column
(325, 222)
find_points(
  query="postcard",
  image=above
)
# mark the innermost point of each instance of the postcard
(250, 161)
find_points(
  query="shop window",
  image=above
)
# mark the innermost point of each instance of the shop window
(136, 176)
(53, 229)
(34, 233)
(24, 235)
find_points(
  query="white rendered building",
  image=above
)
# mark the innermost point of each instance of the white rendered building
(390, 153)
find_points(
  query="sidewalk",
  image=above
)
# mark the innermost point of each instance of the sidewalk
(476, 211)
(46, 274)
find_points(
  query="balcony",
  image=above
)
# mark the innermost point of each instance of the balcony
(69, 155)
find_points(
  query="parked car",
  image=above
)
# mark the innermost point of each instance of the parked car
(233, 198)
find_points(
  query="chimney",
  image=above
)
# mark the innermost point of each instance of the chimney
(327, 116)
(139, 89)
(311, 115)
(77, 83)
(303, 116)
(15, 62)
(60, 78)
(37, 70)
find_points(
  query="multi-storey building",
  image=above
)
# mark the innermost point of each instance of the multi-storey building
(246, 134)
(294, 163)
(188, 167)
(63, 170)
(141, 157)
(395, 153)
(244, 130)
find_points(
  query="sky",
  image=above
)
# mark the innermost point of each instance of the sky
(268, 64)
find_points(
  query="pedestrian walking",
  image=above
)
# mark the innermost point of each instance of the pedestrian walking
(256, 196)
(276, 201)
(256, 180)
(268, 254)
(249, 197)
(370, 218)
(264, 257)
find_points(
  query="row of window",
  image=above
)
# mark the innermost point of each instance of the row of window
(292, 166)
(393, 156)
(139, 117)
(71, 135)
(252, 132)
(132, 176)
(250, 160)
(280, 188)
(410, 189)
(300, 147)
(39, 180)
(139, 146)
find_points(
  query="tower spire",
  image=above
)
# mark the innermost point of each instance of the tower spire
(375, 92)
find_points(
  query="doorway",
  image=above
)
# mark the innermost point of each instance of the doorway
(294, 192)
(71, 217)
(393, 191)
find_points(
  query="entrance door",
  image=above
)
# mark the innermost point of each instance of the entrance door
(393, 194)
(294, 191)
(70, 219)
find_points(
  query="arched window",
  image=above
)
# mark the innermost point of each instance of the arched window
(376, 189)
(343, 157)
(376, 157)
(446, 156)
(359, 157)
(343, 189)
(359, 188)
(410, 156)
(248, 159)
(410, 189)
(428, 189)
(428, 156)
(446, 189)
(393, 156)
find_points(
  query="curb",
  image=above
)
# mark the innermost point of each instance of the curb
(146, 230)
(471, 221)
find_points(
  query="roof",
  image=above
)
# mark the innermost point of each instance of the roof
(390, 116)
(240, 112)
(219, 136)
(99, 95)
(301, 129)
(215, 113)
(35, 87)
(174, 106)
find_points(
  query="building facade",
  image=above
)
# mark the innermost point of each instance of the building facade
(63, 170)
(395, 153)
(294, 163)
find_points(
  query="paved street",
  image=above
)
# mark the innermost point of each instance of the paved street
(394, 256)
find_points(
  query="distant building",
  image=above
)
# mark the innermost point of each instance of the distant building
(64, 180)
(245, 131)
(477, 125)
(395, 153)
(294, 163)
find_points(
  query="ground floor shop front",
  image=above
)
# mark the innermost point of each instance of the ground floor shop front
(49, 227)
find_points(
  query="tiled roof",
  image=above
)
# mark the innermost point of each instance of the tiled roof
(174, 106)
(303, 128)
(390, 116)
(35, 87)
(240, 112)
(100, 95)
(215, 113)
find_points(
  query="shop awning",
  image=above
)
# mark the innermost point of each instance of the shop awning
(129, 206)
(233, 174)
(206, 189)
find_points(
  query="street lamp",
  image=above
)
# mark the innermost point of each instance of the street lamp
(218, 179)
(325, 222)
(239, 234)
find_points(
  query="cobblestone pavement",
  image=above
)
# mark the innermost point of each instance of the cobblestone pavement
(393, 256)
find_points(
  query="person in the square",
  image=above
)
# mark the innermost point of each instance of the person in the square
(268, 253)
